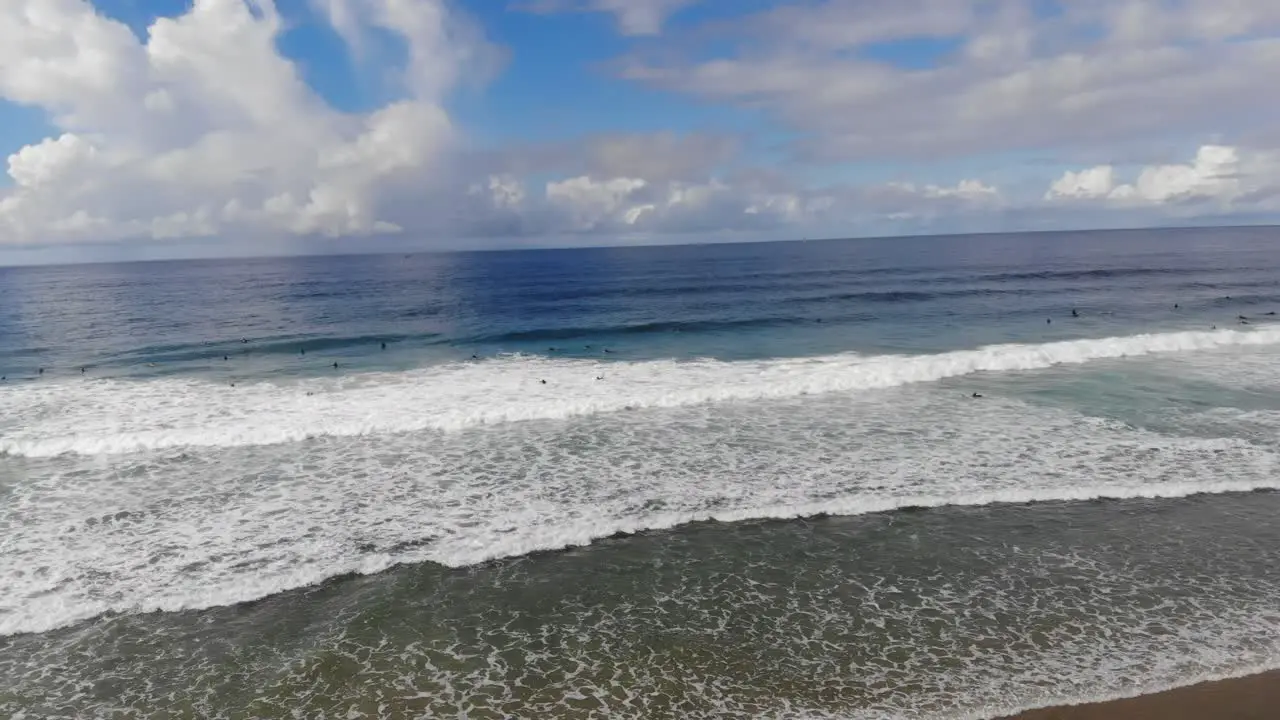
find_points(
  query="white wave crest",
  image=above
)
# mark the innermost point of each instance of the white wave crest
(114, 417)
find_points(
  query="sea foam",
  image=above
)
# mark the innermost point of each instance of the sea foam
(217, 526)
(114, 417)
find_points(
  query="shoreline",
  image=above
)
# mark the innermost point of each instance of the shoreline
(1251, 697)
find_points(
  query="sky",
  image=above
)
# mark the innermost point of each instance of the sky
(140, 128)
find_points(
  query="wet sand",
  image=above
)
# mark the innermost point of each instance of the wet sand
(1256, 697)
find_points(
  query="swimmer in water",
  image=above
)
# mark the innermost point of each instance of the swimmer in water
(1074, 313)
(976, 395)
(384, 346)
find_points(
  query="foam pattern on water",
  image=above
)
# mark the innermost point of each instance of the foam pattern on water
(113, 417)
(183, 529)
(930, 616)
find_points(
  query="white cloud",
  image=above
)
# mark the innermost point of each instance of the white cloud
(441, 43)
(591, 203)
(1090, 184)
(970, 189)
(620, 206)
(641, 17)
(634, 17)
(1211, 175)
(205, 128)
(1219, 175)
(1095, 73)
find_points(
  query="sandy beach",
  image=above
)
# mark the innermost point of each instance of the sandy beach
(1256, 697)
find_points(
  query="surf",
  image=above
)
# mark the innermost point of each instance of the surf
(39, 616)
(112, 417)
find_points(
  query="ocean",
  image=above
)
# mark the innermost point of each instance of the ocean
(938, 478)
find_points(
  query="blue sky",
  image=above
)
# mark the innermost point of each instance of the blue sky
(554, 86)
(492, 122)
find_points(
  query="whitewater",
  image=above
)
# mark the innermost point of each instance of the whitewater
(230, 511)
(102, 417)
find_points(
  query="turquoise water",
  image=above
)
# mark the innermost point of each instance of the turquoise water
(722, 481)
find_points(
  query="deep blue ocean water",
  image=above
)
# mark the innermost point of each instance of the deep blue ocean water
(726, 301)
(284, 487)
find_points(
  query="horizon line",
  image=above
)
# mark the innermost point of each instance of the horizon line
(677, 241)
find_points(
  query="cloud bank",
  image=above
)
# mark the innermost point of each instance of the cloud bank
(201, 128)
(1005, 75)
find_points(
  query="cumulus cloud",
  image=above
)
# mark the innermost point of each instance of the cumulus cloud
(1218, 175)
(1091, 184)
(202, 128)
(1009, 74)
(653, 183)
(634, 17)
(205, 128)
(621, 206)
